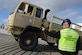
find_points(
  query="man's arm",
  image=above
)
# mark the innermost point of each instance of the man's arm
(52, 34)
(78, 45)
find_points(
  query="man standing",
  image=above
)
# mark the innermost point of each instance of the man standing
(69, 39)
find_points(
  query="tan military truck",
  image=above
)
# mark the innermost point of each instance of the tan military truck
(25, 23)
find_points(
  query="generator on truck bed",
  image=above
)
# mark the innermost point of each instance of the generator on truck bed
(25, 25)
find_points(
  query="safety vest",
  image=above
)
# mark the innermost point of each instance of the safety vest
(68, 40)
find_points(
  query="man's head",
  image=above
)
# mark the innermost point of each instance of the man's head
(66, 23)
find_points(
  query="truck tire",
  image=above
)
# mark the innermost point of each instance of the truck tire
(28, 41)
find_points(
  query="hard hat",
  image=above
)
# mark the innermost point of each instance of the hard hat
(66, 21)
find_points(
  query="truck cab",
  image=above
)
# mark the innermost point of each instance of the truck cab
(25, 14)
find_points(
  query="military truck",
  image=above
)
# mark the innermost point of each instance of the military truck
(25, 25)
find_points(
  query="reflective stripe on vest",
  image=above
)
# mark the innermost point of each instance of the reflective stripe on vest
(66, 48)
(68, 40)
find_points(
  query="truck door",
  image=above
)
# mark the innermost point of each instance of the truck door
(38, 17)
(25, 15)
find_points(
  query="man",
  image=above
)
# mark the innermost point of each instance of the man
(69, 39)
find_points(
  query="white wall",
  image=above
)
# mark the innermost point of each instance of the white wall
(79, 28)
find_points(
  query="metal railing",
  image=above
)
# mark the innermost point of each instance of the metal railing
(63, 19)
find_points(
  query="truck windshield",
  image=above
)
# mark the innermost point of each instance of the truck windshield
(21, 8)
(30, 10)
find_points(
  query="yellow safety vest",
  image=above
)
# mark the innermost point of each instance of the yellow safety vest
(68, 40)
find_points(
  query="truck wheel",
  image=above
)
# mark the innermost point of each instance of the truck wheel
(28, 41)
